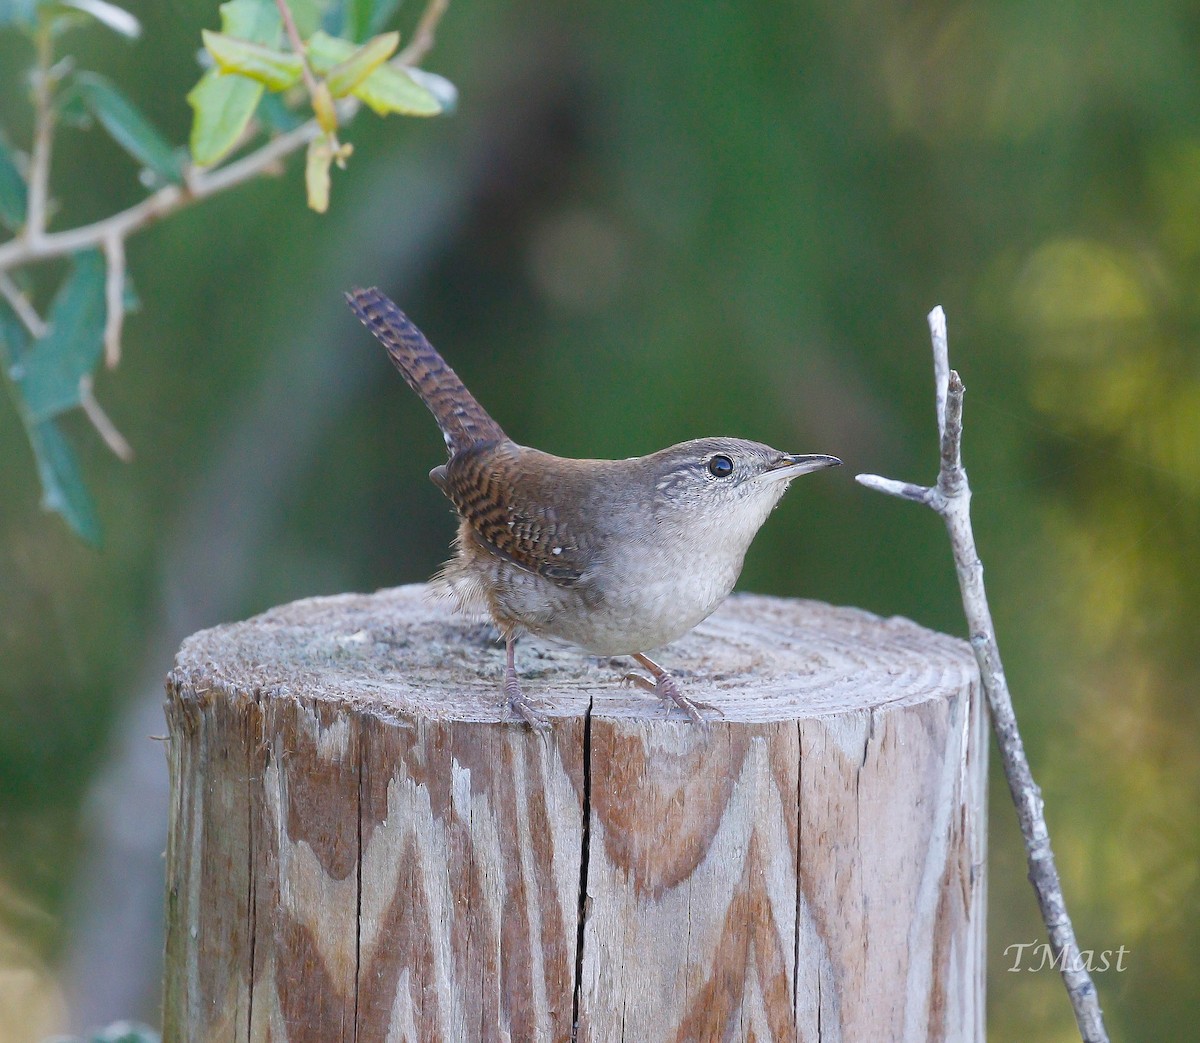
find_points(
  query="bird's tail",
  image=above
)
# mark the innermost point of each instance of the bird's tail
(464, 422)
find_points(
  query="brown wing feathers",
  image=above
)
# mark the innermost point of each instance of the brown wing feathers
(464, 422)
(509, 514)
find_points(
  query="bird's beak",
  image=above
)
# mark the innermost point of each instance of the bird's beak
(788, 467)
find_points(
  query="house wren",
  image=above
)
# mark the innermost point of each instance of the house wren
(616, 556)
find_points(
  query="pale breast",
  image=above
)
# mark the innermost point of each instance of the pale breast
(645, 601)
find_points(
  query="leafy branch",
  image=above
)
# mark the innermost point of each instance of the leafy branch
(270, 60)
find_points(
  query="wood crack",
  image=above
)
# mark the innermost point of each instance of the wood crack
(251, 904)
(799, 877)
(584, 855)
(358, 869)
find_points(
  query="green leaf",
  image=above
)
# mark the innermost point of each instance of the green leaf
(48, 375)
(223, 105)
(274, 112)
(115, 18)
(254, 20)
(388, 89)
(23, 12)
(366, 17)
(14, 338)
(73, 111)
(308, 15)
(351, 72)
(63, 491)
(274, 69)
(12, 189)
(127, 126)
(325, 51)
(131, 303)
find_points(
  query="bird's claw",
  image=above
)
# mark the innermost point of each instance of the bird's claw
(522, 707)
(666, 688)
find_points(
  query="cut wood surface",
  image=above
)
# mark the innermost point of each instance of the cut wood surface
(364, 846)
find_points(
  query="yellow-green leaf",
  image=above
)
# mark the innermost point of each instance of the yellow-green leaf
(308, 14)
(441, 88)
(254, 20)
(316, 173)
(364, 17)
(352, 71)
(325, 51)
(391, 89)
(224, 104)
(326, 111)
(388, 89)
(276, 70)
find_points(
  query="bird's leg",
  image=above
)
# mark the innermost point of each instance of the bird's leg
(665, 686)
(521, 706)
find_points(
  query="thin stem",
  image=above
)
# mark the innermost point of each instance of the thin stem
(293, 35)
(114, 298)
(43, 135)
(19, 303)
(318, 91)
(423, 35)
(100, 421)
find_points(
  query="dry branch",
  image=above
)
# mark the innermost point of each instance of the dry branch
(951, 498)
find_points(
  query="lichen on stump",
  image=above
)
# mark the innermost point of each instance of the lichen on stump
(364, 846)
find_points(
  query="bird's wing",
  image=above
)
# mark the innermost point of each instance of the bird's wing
(514, 509)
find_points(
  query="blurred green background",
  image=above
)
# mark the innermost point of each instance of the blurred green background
(647, 223)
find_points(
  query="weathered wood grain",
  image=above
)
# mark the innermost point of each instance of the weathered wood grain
(364, 848)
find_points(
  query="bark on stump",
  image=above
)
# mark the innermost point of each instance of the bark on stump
(363, 846)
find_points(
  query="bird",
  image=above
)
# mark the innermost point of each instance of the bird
(617, 557)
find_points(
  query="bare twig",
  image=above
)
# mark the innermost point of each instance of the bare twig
(199, 185)
(951, 498)
(19, 303)
(423, 35)
(104, 427)
(293, 35)
(43, 134)
(114, 298)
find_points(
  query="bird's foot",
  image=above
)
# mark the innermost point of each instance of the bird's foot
(666, 687)
(521, 706)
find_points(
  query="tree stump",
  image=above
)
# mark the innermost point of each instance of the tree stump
(365, 846)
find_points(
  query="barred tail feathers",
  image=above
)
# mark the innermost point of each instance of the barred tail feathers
(464, 422)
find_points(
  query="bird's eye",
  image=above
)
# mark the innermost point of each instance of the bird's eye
(720, 467)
